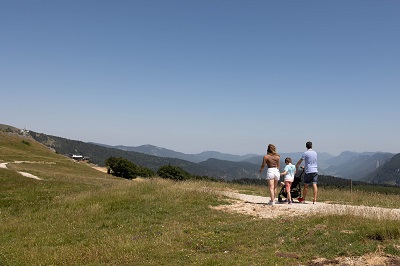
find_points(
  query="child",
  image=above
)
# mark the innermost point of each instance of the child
(288, 172)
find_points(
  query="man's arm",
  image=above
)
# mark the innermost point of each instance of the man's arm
(298, 164)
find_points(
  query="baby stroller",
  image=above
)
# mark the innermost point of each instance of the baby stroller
(295, 188)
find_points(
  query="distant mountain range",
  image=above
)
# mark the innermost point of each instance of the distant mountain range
(373, 167)
(388, 173)
(203, 156)
(356, 166)
(295, 156)
(195, 158)
(350, 165)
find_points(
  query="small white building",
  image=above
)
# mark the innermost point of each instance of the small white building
(77, 157)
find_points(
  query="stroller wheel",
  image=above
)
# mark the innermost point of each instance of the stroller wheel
(280, 199)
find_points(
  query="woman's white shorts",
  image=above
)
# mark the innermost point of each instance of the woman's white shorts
(273, 173)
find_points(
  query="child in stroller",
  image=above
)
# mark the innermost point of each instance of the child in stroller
(295, 188)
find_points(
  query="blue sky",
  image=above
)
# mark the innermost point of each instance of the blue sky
(190, 75)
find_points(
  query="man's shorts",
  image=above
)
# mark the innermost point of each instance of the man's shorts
(310, 178)
(273, 173)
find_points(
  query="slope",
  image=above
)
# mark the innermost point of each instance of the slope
(233, 170)
(78, 216)
(389, 173)
(99, 154)
(358, 166)
(22, 153)
(195, 158)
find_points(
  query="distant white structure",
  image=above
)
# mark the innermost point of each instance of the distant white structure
(78, 157)
(25, 131)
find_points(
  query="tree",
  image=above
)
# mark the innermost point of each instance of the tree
(122, 167)
(173, 172)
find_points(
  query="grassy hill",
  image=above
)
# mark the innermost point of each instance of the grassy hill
(76, 215)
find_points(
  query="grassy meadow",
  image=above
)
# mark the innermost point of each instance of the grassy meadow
(77, 215)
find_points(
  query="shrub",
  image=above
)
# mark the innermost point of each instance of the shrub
(26, 142)
(122, 167)
(173, 172)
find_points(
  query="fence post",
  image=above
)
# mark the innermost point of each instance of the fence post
(351, 186)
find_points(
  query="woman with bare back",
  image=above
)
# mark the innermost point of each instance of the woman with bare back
(272, 160)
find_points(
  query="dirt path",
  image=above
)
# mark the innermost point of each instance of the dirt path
(101, 169)
(4, 166)
(257, 206)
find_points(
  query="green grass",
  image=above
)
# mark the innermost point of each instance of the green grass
(160, 222)
(78, 216)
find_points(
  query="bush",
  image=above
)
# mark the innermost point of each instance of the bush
(26, 142)
(122, 167)
(173, 172)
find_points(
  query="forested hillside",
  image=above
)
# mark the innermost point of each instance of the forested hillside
(157, 151)
(357, 166)
(323, 157)
(239, 169)
(388, 173)
(239, 172)
(378, 167)
(195, 158)
(99, 154)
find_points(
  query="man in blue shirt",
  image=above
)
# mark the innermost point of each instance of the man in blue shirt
(311, 170)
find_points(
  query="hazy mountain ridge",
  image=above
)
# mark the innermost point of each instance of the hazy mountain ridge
(295, 156)
(374, 167)
(348, 164)
(99, 154)
(205, 155)
(241, 169)
(389, 173)
(357, 166)
(195, 158)
(346, 156)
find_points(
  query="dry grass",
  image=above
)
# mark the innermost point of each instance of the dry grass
(77, 215)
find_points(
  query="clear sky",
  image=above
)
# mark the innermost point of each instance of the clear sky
(195, 75)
